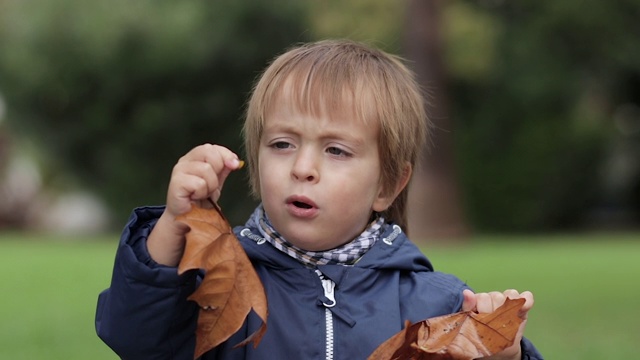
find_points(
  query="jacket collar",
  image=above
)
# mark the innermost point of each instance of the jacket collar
(394, 252)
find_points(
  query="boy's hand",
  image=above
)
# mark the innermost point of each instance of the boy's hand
(488, 302)
(197, 177)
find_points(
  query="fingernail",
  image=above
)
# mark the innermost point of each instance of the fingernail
(240, 164)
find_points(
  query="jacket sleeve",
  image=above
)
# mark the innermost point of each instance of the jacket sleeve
(145, 314)
(529, 352)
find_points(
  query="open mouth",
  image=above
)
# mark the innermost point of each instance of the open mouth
(301, 205)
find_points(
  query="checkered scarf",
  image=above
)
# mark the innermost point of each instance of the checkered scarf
(347, 254)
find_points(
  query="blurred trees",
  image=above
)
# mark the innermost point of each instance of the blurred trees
(114, 92)
(537, 90)
(434, 204)
(536, 86)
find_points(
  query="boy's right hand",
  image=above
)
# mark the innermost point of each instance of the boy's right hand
(196, 178)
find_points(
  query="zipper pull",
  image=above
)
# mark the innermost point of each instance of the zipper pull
(329, 287)
(329, 293)
(328, 300)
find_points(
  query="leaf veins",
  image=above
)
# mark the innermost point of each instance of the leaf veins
(464, 335)
(230, 288)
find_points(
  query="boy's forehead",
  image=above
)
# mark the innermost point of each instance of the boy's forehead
(289, 116)
(321, 102)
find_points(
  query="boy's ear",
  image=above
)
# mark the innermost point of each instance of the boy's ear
(387, 196)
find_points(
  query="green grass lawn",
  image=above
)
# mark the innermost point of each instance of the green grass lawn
(585, 288)
(48, 297)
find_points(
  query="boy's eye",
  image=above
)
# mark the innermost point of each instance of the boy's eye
(337, 151)
(281, 145)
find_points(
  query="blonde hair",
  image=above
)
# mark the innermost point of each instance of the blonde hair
(332, 77)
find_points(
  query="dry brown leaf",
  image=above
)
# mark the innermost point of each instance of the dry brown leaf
(230, 288)
(464, 335)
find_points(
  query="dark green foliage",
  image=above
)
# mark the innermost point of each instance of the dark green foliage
(117, 91)
(531, 131)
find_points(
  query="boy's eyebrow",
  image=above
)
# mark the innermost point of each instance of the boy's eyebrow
(350, 137)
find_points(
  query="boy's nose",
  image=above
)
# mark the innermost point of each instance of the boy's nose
(305, 167)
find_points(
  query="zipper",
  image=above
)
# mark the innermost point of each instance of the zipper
(329, 301)
(328, 318)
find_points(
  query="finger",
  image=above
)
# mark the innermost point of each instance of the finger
(528, 304)
(200, 169)
(222, 177)
(216, 195)
(218, 156)
(528, 296)
(221, 160)
(483, 302)
(512, 294)
(183, 189)
(190, 187)
(469, 300)
(488, 302)
(497, 299)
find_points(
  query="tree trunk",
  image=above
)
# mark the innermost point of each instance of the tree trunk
(435, 210)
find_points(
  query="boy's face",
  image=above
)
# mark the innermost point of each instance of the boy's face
(319, 177)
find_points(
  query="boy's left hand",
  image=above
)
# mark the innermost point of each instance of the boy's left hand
(488, 302)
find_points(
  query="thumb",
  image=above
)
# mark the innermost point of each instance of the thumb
(469, 302)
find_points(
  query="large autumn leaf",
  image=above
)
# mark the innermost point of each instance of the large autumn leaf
(464, 335)
(230, 288)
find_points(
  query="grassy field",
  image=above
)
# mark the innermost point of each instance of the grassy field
(586, 291)
(585, 287)
(49, 291)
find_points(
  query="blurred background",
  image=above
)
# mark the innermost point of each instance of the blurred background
(533, 179)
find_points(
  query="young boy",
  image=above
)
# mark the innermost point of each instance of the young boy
(332, 133)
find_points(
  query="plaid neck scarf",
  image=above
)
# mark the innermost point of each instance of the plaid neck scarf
(347, 254)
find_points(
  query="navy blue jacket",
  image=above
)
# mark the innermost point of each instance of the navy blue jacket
(145, 314)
